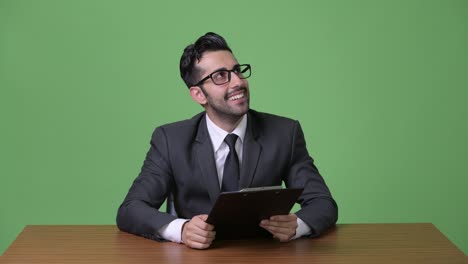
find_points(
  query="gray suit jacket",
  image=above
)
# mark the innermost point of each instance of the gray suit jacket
(181, 162)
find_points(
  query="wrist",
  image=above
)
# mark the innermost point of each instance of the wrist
(182, 232)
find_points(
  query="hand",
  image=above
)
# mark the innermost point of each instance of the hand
(283, 227)
(196, 233)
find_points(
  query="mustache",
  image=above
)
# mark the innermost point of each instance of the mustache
(243, 88)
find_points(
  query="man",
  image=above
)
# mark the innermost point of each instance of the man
(227, 147)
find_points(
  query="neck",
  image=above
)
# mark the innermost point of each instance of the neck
(225, 122)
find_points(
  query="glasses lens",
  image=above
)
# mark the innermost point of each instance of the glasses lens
(244, 71)
(220, 77)
(224, 76)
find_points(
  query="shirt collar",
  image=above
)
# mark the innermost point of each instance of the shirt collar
(217, 134)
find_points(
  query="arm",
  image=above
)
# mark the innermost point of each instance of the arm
(139, 213)
(318, 209)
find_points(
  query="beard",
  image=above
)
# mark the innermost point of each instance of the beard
(222, 108)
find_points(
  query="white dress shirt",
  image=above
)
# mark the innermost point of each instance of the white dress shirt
(173, 230)
(220, 148)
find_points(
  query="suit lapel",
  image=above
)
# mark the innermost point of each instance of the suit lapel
(205, 157)
(251, 153)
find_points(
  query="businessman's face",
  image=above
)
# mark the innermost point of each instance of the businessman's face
(226, 100)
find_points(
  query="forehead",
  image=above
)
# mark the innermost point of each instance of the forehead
(214, 60)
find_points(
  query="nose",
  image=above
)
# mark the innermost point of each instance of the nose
(235, 80)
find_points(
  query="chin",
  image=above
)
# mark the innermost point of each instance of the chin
(244, 110)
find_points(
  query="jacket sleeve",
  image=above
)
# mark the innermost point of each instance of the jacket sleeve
(318, 209)
(139, 213)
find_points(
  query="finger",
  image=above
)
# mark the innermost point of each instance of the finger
(282, 238)
(204, 226)
(204, 239)
(281, 234)
(199, 221)
(284, 218)
(197, 238)
(279, 230)
(203, 217)
(197, 245)
(279, 224)
(194, 229)
(207, 234)
(290, 224)
(287, 231)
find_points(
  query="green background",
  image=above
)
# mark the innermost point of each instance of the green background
(380, 88)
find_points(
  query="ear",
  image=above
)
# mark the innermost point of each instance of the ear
(198, 95)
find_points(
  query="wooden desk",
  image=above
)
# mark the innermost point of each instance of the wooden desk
(353, 243)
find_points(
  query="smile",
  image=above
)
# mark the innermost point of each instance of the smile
(236, 97)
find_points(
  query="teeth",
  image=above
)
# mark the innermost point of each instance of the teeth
(235, 97)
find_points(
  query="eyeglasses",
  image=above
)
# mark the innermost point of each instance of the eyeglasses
(219, 77)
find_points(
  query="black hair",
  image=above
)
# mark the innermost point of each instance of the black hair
(193, 53)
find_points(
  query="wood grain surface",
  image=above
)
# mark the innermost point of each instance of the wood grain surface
(346, 243)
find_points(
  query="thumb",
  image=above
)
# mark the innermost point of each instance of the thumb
(203, 217)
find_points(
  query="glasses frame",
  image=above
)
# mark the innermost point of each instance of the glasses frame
(249, 68)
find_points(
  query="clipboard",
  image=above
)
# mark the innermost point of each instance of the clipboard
(237, 215)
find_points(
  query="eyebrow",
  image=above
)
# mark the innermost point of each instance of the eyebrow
(224, 68)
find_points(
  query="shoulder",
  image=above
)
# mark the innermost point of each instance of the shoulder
(184, 124)
(271, 127)
(267, 120)
(188, 127)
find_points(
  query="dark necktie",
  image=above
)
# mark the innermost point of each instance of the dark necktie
(231, 166)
